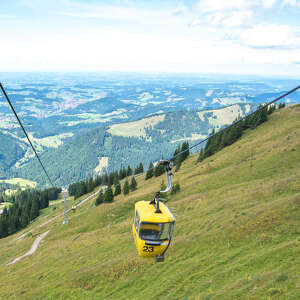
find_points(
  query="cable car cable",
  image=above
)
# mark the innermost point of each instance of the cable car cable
(202, 141)
(238, 121)
(16, 115)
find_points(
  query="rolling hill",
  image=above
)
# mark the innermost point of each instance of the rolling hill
(129, 143)
(236, 236)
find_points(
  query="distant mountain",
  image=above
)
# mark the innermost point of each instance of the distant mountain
(111, 147)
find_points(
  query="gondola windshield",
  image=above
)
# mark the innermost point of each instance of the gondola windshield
(156, 231)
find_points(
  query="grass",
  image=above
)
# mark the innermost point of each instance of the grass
(135, 128)
(20, 181)
(237, 234)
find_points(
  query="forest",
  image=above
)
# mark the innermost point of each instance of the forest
(79, 156)
(26, 206)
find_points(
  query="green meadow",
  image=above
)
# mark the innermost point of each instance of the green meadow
(237, 234)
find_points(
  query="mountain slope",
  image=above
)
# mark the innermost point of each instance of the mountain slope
(130, 143)
(236, 237)
(11, 150)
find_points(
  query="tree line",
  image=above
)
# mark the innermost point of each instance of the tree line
(231, 134)
(107, 179)
(111, 181)
(25, 207)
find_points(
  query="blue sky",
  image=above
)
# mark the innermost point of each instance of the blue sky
(259, 37)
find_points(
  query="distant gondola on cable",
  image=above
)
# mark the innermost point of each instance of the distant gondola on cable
(153, 223)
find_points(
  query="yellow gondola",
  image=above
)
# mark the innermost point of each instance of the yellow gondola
(153, 224)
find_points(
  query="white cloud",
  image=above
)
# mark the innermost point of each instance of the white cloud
(230, 36)
(268, 3)
(295, 3)
(270, 36)
(235, 19)
(220, 5)
(220, 13)
(180, 9)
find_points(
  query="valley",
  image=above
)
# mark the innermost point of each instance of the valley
(62, 112)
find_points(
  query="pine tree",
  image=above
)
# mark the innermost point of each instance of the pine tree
(111, 178)
(185, 151)
(159, 170)
(105, 179)
(3, 227)
(122, 173)
(90, 185)
(117, 184)
(201, 156)
(108, 195)
(175, 188)
(139, 169)
(34, 211)
(118, 190)
(98, 180)
(24, 220)
(149, 173)
(133, 184)
(281, 105)
(126, 188)
(100, 198)
(129, 171)
(177, 163)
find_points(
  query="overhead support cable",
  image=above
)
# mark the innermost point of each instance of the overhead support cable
(238, 121)
(16, 115)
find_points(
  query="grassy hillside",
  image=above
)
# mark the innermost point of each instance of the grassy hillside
(237, 234)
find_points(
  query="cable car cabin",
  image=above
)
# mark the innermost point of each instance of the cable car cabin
(152, 229)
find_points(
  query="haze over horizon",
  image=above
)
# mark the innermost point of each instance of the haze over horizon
(259, 37)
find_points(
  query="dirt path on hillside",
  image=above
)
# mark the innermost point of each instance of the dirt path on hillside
(32, 249)
(52, 219)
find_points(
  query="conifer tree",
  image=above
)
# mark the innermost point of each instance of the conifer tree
(98, 180)
(111, 178)
(177, 163)
(122, 173)
(100, 198)
(158, 170)
(24, 220)
(150, 171)
(105, 179)
(133, 184)
(118, 189)
(34, 211)
(108, 195)
(129, 171)
(139, 169)
(90, 185)
(175, 188)
(117, 185)
(201, 155)
(185, 151)
(3, 227)
(126, 188)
